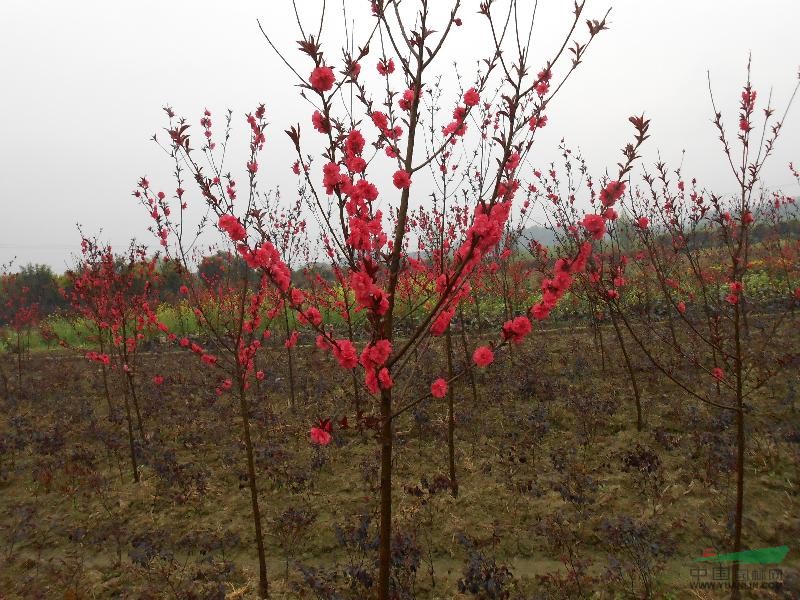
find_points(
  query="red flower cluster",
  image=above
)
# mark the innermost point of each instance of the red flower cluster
(401, 179)
(267, 257)
(595, 225)
(345, 353)
(320, 123)
(563, 272)
(407, 100)
(483, 356)
(233, 227)
(368, 295)
(322, 79)
(517, 329)
(537, 122)
(321, 433)
(373, 358)
(471, 97)
(439, 388)
(385, 67)
(98, 357)
(612, 192)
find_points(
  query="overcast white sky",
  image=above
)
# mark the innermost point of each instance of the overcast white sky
(82, 84)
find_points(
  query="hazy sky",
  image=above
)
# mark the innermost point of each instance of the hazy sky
(83, 83)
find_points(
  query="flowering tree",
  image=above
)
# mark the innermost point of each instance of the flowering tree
(228, 303)
(19, 315)
(596, 291)
(678, 234)
(286, 227)
(714, 308)
(405, 120)
(403, 117)
(113, 293)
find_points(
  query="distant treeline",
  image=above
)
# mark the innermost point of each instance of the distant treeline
(44, 287)
(38, 284)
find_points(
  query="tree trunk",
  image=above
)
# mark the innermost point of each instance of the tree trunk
(356, 390)
(451, 426)
(132, 386)
(472, 382)
(105, 379)
(385, 548)
(631, 374)
(263, 588)
(290, 360)
(477, 301)
(129, 419)
(19, 362)
(740, 448)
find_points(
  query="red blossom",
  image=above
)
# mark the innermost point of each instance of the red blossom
(322, 79)
(380, 120)
(537, 122)
(385, 67)
(516, 329)
(232, 227)
(345, 353)
(407, 100)
(471, 97)
(401, 179)
(439, 388)
(483, 356)
(291, 341)
(320, 123)
(319, 436)
(612, 192)
(595, 225)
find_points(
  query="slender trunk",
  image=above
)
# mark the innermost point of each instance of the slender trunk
(129, 419)
(466, 355)
(19, 361)
(4, 377)
(290, 358)
(356, 390)
(451, 427)
(107, 392)
(508, 314)
(672, 330)
(740, 448)
(477, 301)
(263, 588)
(132, 386)
(258, 381)
(105, 379)
(385, 548)
(386, 329)
(631, 374)
(602, 345)
(506, 307)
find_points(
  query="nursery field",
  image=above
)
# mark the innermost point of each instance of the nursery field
(559, 495)
(434, 319)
